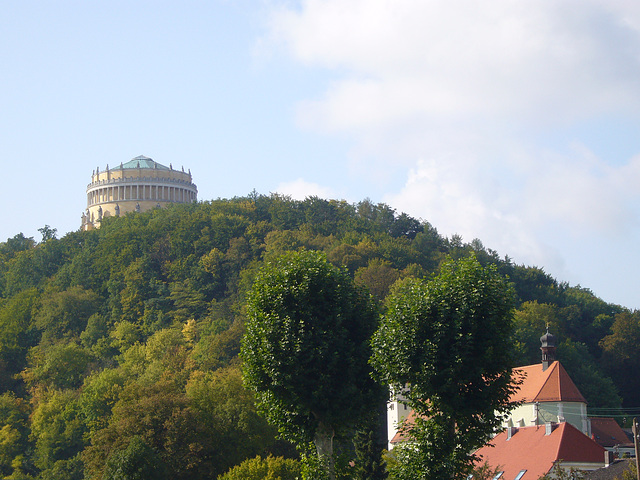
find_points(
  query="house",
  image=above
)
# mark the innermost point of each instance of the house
(397, 413)
(607, 432)
(547, 393)
(402, 435)
(527, 453)
(549, 425)
(613, 471)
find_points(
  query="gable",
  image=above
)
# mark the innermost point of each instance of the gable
(550, 385)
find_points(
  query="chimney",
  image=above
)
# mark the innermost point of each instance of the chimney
(549, 427)
(608, 458)
(511, 431)
(548, 348)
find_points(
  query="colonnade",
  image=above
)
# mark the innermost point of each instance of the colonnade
(141, 192)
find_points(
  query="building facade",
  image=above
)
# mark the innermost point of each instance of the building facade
(136, 186)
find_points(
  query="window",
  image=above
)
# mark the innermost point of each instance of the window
(520, 475)
(498, 475)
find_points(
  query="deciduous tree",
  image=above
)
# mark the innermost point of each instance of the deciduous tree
(270, 468)
(306, 349)
(449, 340)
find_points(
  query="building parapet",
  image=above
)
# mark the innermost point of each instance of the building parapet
(112, 181)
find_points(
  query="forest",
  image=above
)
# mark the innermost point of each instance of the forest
(122, 343)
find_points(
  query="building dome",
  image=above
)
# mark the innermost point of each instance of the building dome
(548, 348)
(136, 186)
(548, 339)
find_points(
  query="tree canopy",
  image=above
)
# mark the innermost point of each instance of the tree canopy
(135, 329)
(306, 349)
(445, 343)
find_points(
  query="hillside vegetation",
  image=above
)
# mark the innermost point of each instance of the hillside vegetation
(121, 344)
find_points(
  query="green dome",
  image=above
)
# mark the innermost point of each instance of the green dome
(143, 162)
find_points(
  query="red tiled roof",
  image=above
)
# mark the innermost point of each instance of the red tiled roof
(402, 435)
(607, 432)
(531, 450)
(550, 385)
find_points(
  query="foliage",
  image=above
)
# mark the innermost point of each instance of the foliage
(630, 473)
(558, 472)
(60, 366)
(598, 389)
(449, 339)
(369, 463)
(161, 416)
(65, 314)
(227, 410)
(138, 461)
(14, 433)
(485, 471)
(147, 314)
(621, 355)
(306, 349)
(58, 430)
(378, 276)
(270, 468)
(530, 322)
(16, 336)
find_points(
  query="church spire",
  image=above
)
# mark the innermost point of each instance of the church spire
(548, 348)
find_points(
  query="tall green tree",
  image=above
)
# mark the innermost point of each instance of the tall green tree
(369, 463)
(621, 356)
(270, 468)
(449, 340)
(306, 350)
(138, 461)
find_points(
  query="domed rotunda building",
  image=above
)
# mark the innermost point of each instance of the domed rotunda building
(136, 186)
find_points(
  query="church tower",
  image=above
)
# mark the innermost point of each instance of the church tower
(548, 348)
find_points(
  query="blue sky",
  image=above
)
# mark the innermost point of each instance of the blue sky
(513, 122)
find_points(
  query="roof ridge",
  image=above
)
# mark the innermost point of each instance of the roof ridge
(563, 433)
(549, 372)
(569, 381)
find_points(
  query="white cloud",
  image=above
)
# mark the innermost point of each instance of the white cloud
(517, 210)
(466, 58)
(468, 97)
(300, 189)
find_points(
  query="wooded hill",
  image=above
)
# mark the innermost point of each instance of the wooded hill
(133, 330)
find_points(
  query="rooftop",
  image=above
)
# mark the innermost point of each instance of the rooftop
(402, 435)
(143, 162)
(531, 449)
(612, 472)
(607, 432)
(550, 385)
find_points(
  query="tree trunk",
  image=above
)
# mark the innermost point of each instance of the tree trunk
(324, 446)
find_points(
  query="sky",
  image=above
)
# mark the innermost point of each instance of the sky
(516, 123)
